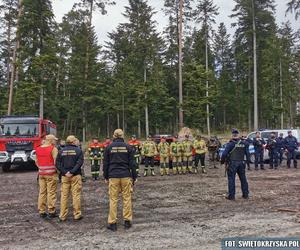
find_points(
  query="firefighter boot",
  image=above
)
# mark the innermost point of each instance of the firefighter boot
(179, 169)
(184, 169)
(190, 168)
(162, 171)
(152, 172)
(174, 170)
(203, 170)
(195, 169)
(167, 171)
(145, 172)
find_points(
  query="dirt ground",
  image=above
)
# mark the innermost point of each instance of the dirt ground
(170, 212)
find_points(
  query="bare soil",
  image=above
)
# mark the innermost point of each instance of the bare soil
(170, 212)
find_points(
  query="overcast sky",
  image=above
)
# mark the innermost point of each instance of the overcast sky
(107, 23)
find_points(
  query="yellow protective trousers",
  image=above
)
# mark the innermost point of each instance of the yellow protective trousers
(47, 193)
(123, 186)
(73, 184)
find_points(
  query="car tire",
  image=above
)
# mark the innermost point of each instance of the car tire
(6, 167)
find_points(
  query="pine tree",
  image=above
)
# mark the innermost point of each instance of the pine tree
(205, 14)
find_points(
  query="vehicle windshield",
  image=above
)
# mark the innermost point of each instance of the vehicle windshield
(24, 129)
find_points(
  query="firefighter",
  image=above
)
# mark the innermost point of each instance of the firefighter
(187, 155)
(95, 156)
(136, 144)
(106, 143)
(45, 160)
(164, 151)
(176, 155)
(213, 146)
(201, 149)
(119, 172)
(149, 151)
(69, 162)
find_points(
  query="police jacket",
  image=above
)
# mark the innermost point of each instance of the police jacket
(291, 143)
(258, 143)
(236, 150)
(280, 142)
(70, 159)
(272, 144)
(119, 160)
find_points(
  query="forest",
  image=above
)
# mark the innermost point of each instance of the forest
(248, 80)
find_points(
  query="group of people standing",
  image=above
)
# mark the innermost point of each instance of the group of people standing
(276, 146)
(179, 152)
(119, 171)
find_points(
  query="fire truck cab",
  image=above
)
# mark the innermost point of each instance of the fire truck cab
(19, 137)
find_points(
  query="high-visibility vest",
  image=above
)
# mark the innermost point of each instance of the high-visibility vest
(45, 161)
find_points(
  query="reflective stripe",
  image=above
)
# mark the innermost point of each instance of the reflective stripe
(47, 170)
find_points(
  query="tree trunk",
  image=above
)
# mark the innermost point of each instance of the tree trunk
(14, 61)
(281, 94)
(255, 69)
(180, 64)
(207, 86)
(42, 103)
(146, 104)
(107, 127)
(139, 129)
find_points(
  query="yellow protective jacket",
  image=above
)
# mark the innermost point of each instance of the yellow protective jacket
(149, 149)
(200, 146)
(163, 149)
(176, 149)
(187, 148)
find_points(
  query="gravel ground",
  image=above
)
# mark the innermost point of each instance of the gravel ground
(170, 212)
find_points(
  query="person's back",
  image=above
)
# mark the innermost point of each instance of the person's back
(45, 160)
(69, 162)
(120, 172)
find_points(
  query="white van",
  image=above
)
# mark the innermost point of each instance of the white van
(265, 134)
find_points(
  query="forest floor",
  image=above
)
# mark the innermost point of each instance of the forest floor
(170, 212)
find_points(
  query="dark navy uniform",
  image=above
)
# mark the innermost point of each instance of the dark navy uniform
(258, 144)
(273, 152)
(234, 154)
(280, 148)
(291, 145)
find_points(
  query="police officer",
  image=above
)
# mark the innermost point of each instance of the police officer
(201, 149)
(95, 156)
(281, 147)
(163, 150)
(46, 155)
(273, 151)
(176, 155)
(258, 144)
(149, 150)
(247, 141)
(120, 174)
(291, 145)
(136, 144)
(187, 155)
(234, 154)
(69, 162)
(213, 146)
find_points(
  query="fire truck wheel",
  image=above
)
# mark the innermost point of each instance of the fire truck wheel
(6, 167)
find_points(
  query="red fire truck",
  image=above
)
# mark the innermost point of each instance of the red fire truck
(19, 137)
